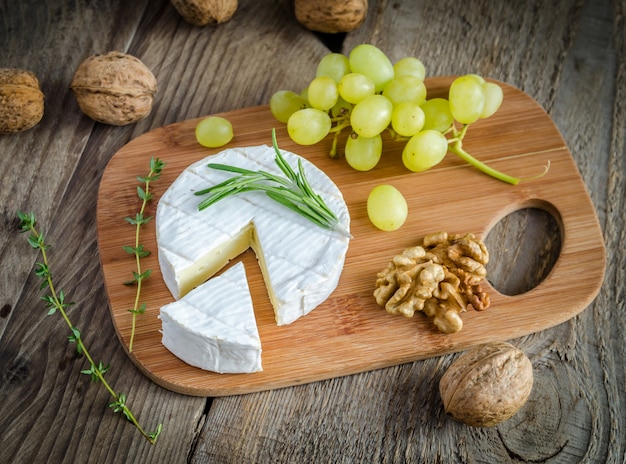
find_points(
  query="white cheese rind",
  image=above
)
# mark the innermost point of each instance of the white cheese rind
(301, 262)
(213, 327)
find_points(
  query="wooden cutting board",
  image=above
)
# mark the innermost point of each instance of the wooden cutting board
(349, 333)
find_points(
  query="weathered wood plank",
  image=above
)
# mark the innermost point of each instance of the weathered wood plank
(56, 176)
(36, 165)
(555, 424)
(568, 55)
(76, 152)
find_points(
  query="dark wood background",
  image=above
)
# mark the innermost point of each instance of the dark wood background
(569, 55)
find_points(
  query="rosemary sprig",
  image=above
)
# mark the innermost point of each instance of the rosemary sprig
(292, 191)
(56, 302)
(138, 250)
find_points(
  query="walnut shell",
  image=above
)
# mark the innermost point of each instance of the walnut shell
(487, 384)
(203, 12)
(115, 88)
(330, 16)
(21, 100)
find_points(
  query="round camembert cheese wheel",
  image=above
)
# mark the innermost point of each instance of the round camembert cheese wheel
(301, 262)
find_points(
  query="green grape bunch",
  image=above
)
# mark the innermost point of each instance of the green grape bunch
(367, 94)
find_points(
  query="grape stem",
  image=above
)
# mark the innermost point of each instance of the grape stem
(456, 147)
(342, 123)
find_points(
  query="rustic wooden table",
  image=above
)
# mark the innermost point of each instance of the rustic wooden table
(568, 55)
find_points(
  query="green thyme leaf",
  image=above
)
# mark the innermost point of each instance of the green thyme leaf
(56, 303)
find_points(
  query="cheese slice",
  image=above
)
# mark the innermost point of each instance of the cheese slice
(213, 326)
(301, 262)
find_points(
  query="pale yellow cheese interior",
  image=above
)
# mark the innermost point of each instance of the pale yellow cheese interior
(207, 266)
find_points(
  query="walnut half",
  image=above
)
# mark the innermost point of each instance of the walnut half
(440, 277)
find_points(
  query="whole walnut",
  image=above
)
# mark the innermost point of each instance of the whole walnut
(203, 12)
(331, 16)
(487, 384)
(115, 88)
(21, 100)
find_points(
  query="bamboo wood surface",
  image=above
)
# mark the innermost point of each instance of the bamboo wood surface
(349, 332)
(568, 55)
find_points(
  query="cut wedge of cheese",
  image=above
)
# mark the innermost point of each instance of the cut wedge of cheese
(213, 327)
(301, 262)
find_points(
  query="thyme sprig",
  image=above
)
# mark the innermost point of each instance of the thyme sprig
(292, 191)
(138, 250)
(56, 302)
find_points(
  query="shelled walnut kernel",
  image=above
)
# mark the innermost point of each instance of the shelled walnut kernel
(441, 277)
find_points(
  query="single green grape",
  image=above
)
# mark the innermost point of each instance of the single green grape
(363, 153)
(387, 208)
(308, 126)
(354, 87)
(493, 99)
(284, 103)
(480, 79)
(410, 66)
(437, 114)
(405, 88)
(371, 115)
(322, 93)
(467, 99)
(214, 131)
(333, 65)
(407, 119)
(424, 150)
(370, 61)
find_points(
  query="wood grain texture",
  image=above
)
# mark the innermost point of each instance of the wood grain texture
(569, 55)
(54, 170)
(349, 333)
(404, 420)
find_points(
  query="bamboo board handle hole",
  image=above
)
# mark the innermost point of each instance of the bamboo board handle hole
(528, 241)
